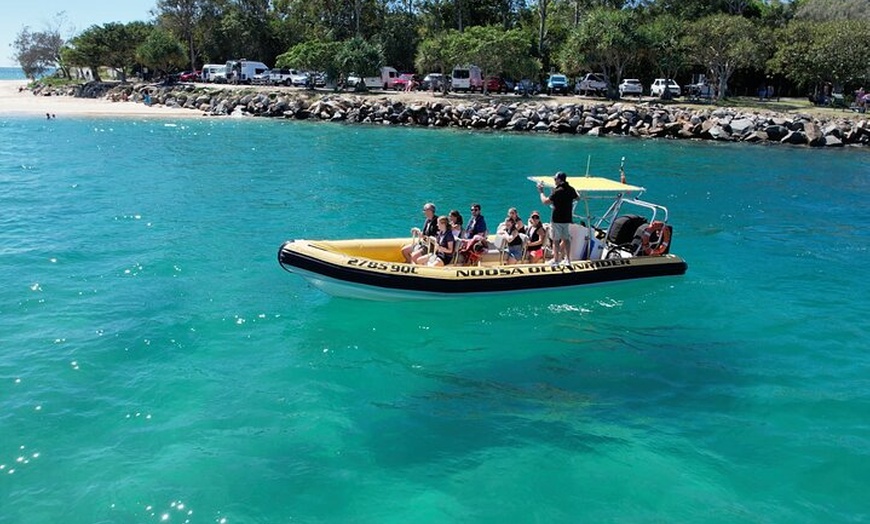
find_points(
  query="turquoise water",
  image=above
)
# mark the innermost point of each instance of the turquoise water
(157, 365)
(11, 73)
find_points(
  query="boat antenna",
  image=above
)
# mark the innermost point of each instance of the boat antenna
(588, 161)
(622, 171)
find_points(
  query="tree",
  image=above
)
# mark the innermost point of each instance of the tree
(724, 43)
(161, 52)
(360, 57)
(825, 10)
(495, 50)
(314, 56)
(810, 52)
(182, 17)
(606, 39)
(37, 52)
(664, 39)
(437, 53)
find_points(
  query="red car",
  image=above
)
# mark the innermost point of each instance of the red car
(401, 83)
(495, 84)
(190, 76)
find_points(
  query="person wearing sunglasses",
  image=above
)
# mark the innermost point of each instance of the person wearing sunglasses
(476, 224)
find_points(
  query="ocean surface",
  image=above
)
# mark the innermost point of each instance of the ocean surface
(12, 73)
(157, 365)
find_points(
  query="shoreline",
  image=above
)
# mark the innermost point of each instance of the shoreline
(641, 118)
(24, 103)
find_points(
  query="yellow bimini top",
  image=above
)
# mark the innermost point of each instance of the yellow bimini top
(591, 184)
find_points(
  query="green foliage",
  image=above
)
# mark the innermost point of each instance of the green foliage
(811, 52)
(36, 52)
(358, 56)
(607, 40)
(491, 48)
(827, 10)
(664, 40)
(515, 37)
(314, 56)
(113, 45)
(181, 18)
(162, 52)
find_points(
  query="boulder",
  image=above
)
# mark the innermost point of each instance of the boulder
(742, 126)
(814, 135)
(795, 137)
(776, 131)
(756, 136)
(832, 141)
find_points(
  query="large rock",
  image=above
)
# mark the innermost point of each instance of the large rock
(795, 137)
(776, 131)
(832, 141)
(742, 126)
(814, 135)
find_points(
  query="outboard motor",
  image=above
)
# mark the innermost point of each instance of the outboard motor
(624, 229)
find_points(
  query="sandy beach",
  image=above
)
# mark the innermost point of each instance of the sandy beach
(24, 103)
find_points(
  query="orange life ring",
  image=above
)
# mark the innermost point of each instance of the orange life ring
(656, 239)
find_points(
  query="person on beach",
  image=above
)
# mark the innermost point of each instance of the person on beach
(430, 228)
(562, 201)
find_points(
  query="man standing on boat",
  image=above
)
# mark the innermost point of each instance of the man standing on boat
(562, 201)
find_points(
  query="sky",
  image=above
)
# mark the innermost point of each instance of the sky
(80, 14)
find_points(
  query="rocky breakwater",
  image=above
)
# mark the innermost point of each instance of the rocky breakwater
(518, 115)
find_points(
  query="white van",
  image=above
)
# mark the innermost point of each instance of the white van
(386, 80)
(214, 72)
(466, 78)
(242, 71)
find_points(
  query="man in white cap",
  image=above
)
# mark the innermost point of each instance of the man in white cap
(562, 201)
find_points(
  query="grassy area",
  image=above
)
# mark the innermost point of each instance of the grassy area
(786, 106)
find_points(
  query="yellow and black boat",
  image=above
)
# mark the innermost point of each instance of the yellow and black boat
(631, 240)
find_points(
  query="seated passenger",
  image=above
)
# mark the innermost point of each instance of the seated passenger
(455, 218)
(514, 241)
(442, 247)
(518, 222)
(537, 238)
(477, 224)
(417, 247)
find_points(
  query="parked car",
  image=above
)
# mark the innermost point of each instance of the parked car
(700, 90)
(526, 87)
(557, 84)
(299, 78)
(434, 81)
(401, 83)
(630, 86)
(261, 78)
(662, 85)
(594, 83)
(495, 84)
(279, 76)
(190, 76)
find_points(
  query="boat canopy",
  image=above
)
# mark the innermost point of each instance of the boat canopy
(590, 184)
